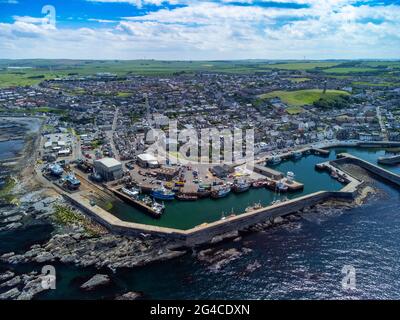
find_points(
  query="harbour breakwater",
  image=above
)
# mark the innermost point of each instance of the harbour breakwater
(205, 233)
(382, 173)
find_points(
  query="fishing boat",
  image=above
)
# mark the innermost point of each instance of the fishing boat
(334, 175)
(290, 176)
(241, 186)
(297, 155)
(186, 197)
(271, 185)
(72, 182)
(158, 208)
(203, 192)
(133, 193)
(281, 186)
(259, 184)
(275, 160)
(205, 186)
(162, 194)
(341, 180)
(221, 192)
(254, 207)
(56, 170)
(147, 200)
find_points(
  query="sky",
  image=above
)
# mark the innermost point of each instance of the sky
(200, 30)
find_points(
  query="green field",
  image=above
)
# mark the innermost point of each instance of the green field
(31, 72)
(298, 80)
(371, 84)
(301, 66)
(124, 94)
(350, 70)
(297, 99)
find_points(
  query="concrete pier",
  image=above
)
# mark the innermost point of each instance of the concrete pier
(382, 173)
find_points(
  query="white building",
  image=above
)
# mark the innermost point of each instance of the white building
(146, 160)
(109, 169)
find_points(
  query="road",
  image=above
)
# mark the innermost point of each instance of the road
(383, 128)
(111, 133)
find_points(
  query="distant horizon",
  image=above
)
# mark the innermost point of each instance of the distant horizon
(205, 60)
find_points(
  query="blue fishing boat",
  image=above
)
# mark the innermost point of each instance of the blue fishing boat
(72, 182)
(221, 192)
(56, 170)
(162, 194)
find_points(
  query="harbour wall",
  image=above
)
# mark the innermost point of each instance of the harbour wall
(382, 173)
(204, 233)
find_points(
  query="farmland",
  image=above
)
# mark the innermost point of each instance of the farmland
(32, 72)
(297, 99)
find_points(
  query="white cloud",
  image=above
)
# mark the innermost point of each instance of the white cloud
(209, 30)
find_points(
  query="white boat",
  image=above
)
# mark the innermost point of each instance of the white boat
(133, 193)
(158, 207)
(290, 176)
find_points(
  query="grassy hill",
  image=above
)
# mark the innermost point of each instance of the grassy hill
(297, 99)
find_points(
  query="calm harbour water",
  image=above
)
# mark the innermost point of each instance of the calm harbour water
(301, 260)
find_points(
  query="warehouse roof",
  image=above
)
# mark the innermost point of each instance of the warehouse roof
(109, 162)
(147, 157)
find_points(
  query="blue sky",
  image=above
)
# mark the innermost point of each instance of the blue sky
(194, 29)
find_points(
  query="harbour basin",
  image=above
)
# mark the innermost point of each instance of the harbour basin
(185, 215)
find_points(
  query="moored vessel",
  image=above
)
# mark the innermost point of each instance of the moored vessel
(163, 194)
(221, 192)
(241, 186)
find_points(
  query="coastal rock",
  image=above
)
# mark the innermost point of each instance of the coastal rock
(278, 220)
(12, 226)
(10, 294)
(13, 219)
(130, 296)
(225, 236)
(5, 256)
(32, 288)
(12, 282)
(220, 258)
(106, 250)
(6, 275)
(44, 257)
(95, 282)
